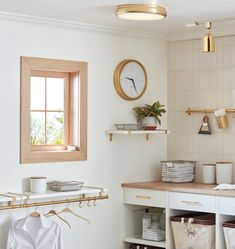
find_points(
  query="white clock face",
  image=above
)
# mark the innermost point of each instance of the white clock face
(133, 79)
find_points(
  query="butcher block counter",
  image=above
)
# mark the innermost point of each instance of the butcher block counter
(196, 188)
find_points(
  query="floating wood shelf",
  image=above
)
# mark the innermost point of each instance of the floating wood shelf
(135, 132)
(191, 110)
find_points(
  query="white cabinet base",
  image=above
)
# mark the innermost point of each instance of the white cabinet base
(177, 203)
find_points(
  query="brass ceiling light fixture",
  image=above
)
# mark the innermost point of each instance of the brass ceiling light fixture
(141, 12)
(208, 40)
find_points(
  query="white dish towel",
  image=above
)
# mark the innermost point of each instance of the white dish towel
(225, 186)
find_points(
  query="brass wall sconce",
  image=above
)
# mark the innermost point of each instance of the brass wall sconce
(208, 40)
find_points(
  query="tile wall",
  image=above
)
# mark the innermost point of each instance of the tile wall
(201, 80)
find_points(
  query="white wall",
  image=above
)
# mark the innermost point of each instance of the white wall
(200, 80)
(126, 159)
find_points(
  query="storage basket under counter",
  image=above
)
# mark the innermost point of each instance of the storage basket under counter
(178, 171)
(149, 224)
(194, 230)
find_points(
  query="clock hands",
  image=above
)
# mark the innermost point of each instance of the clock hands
(133, 82)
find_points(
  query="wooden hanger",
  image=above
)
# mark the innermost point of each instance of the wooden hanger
(68, 210)
(52, 212)
(35, 213)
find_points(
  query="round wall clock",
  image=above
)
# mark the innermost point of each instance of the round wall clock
(130, 79)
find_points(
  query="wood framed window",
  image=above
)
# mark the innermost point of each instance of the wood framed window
(53, 110)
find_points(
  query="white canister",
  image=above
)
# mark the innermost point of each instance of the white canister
(224, 172)
(208, 173)
(38, 184)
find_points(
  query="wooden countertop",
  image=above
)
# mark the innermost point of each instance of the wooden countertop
(196, 188)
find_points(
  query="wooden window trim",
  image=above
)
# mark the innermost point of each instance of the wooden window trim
(31, 65)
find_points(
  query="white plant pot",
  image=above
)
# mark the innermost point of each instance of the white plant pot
(149, 123)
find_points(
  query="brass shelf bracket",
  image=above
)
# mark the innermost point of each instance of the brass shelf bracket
(13, 198)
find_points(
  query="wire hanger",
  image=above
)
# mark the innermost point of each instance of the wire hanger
(69, 210)
(53, 212)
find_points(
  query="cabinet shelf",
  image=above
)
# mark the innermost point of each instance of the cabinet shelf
(135, 132)
(137, 240)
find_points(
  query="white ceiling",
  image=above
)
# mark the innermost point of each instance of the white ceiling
(102, 12)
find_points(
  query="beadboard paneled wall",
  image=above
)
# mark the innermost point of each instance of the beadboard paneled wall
(200, 80)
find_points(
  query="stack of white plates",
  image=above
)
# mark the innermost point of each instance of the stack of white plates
(178, 171)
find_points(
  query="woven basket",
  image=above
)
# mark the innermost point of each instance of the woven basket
(63, 186)
(194, 231)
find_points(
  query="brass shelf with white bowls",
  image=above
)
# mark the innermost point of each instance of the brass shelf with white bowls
(136, 132)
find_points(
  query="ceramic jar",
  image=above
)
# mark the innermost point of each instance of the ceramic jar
(224, 172)
(208, 173)
(38, 184)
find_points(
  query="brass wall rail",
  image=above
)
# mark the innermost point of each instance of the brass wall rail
(190, 110)
(23, 200)
(47, 203)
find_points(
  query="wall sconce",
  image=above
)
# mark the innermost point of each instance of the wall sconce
(208, 40)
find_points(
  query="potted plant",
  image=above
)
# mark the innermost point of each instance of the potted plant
(149, 115)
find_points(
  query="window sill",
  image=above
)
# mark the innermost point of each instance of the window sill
(54, 156)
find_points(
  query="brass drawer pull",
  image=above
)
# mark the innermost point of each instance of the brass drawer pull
(192, 203)
(142, 197)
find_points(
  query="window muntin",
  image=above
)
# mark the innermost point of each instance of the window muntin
(49, 109)
(73, 108)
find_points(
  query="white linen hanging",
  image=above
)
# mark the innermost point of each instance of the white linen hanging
(34, 233)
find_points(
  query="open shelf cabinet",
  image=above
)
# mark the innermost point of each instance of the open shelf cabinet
(137, 240)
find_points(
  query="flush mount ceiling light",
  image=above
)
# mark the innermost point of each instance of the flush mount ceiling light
(208, 40)
(141, 12)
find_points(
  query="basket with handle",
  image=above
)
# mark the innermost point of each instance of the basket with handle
(194, 231)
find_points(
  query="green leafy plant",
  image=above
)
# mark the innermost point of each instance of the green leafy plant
(155, 110)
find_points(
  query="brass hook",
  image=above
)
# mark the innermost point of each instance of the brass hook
(94, 203)
(233, 112)
(205, 118)
(68, 203)
(89, 203)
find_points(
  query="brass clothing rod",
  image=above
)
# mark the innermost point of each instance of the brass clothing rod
(47, 203)
(189, 110)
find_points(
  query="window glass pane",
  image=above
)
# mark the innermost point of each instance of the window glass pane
(55, 128)
(37, 124)
(37, 93)
(55, 94)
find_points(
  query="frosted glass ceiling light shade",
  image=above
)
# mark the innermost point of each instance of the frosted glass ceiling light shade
(141, 12)
(208, 40)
